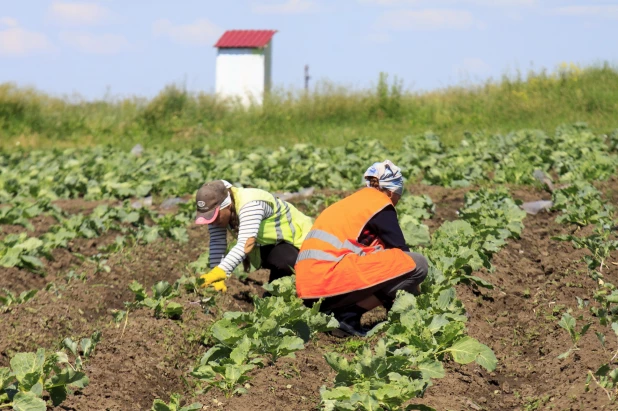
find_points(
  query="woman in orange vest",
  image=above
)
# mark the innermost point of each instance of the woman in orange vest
(355, 256)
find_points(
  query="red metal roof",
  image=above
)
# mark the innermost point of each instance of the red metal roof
(245, 38)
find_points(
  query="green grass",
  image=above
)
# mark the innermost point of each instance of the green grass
(328, 115)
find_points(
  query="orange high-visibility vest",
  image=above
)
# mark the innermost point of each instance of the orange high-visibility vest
(331, 261)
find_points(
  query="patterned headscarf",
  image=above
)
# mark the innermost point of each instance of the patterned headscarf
(388, 174)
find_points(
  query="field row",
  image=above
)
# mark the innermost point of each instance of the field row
(123, 285)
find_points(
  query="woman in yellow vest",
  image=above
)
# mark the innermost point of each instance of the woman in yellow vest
(269, 230)
(355, 256)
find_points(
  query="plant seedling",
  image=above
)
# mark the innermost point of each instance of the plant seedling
(568, 323)
(10, 299)
(174, 405)
(162, 293)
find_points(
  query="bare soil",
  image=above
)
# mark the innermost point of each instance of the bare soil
(536, 280)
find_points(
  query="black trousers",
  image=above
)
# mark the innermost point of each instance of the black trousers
(279, 259)
(385, 292)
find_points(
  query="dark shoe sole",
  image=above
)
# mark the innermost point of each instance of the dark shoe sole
(346, 330)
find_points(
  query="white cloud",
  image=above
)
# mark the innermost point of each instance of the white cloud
(500, 3)
(200, 32)
(378, 38)
(95, 43)
(17, 41)
(289, 7)
(604, 11)
(391, 2)
(8, 22)
(78, 14)
(472, 66)
(515, 15)
(434, 3)
(427, 19)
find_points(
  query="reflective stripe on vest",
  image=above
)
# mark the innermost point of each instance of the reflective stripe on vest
(323, 255)
(288, 214)
(277, 212)
(317, 255)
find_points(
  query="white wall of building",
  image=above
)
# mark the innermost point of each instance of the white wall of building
(241, 73)
(268, 64)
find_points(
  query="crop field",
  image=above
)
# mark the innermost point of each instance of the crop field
(101, 307)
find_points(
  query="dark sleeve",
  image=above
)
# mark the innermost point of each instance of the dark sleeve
(385, 226)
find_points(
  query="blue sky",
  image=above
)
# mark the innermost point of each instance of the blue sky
(136, 47)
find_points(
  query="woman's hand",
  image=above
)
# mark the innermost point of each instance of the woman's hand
(219, 286)
(216, 277)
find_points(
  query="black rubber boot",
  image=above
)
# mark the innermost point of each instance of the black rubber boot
(350, 322)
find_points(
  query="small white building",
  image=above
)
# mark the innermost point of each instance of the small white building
(244, 61)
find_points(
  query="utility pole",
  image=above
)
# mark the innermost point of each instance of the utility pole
(307, 77)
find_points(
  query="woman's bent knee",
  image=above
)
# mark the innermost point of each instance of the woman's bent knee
(422, 266)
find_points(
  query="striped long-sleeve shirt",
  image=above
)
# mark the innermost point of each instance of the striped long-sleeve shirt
(249, 216)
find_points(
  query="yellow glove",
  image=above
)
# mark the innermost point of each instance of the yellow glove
(214, 276)
(219, 286)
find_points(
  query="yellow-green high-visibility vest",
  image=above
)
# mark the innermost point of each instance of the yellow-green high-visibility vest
(286, 224)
